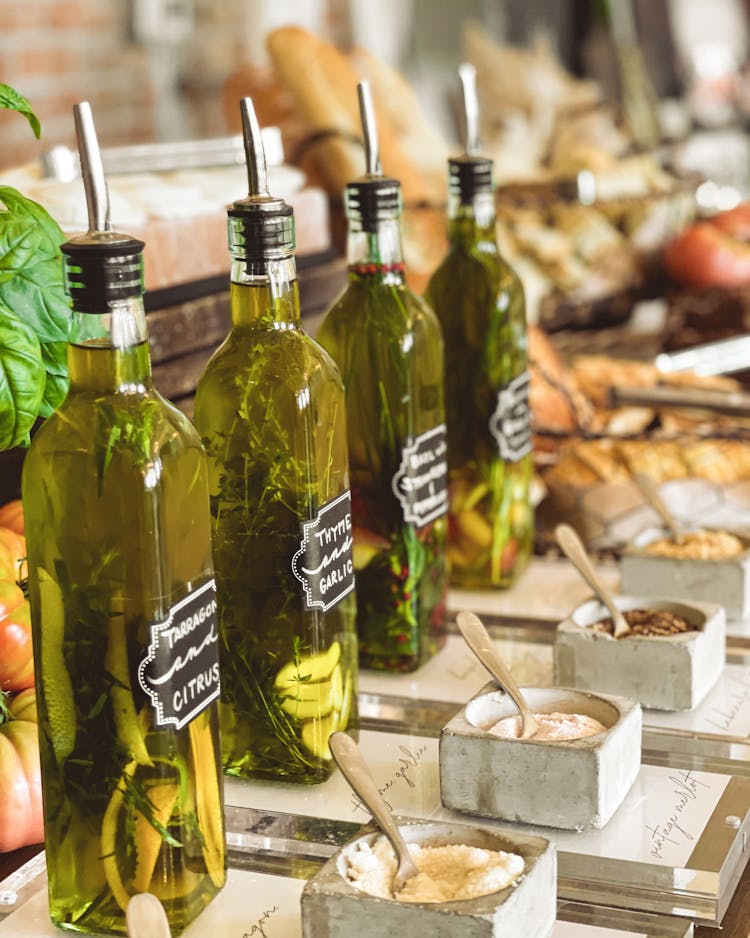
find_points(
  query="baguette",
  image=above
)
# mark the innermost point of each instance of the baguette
(323, 83)
(420, 143)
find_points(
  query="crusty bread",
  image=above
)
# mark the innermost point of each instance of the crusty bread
(418, 139)
(323, 83)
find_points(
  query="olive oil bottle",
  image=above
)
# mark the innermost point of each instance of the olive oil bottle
(270, 409)
(480, 304)
(388, 345)
(115, 493)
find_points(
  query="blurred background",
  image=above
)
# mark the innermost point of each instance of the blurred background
(617, 127)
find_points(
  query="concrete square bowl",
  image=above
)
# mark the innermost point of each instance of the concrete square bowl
(571, 784)
(665, 672)
(334, 908)
(725, 582)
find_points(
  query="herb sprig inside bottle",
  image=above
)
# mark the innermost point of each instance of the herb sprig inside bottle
(115, 491)
(480, 303)
(270, 407)
(388, 345)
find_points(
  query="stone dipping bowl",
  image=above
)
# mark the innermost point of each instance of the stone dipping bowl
(570, 784)
(664, 672)
(723, 581)
(332, 907)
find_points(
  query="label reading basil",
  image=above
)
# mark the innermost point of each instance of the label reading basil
(324, 564)
(421, 483)
(180, 671)
(511, 422)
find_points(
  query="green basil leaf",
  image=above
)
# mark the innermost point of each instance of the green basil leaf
(36, 296)
(11, 99)
(21, 207)
(22, 380)
(31, 279)
(19, 245)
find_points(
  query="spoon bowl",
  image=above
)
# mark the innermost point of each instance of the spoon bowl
(572, 546)
(356, 771)
(478, 639)
(146, 918)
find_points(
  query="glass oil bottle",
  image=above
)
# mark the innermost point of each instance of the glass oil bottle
(479, 301)
(270, 408)
(387, 343)
(123, 601)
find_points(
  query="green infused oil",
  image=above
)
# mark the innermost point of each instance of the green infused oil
(115, 492)
(388, 346)
(479, 301)
(270, 408)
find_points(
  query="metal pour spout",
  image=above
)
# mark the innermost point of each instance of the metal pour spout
(369, 129)
(92, 170)
(257, 173)
(468, 75)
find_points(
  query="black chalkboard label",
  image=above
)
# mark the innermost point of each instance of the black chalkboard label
(421, 482)
(324, 564)
(510, 424)
(180, 670)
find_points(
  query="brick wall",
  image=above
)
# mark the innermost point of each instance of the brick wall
(57, 52)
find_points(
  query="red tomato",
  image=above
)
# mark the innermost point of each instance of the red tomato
(11, 516)
(16, 654)
(21, 817)
(735, 222)
(703, 256)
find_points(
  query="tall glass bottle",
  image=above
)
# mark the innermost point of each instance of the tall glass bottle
(270, 408)
(480, 304)
(115, 492)
(388, 345)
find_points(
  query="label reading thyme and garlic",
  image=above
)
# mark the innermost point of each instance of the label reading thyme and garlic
(324, 564)
(421, 482)
(180, 670)
(510, 424)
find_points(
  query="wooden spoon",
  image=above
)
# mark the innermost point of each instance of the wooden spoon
(477, 638)
(650, 492)
(146, 918)
(356, 771)
(572, 546)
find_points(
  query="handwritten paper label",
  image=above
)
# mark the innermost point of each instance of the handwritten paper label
(259, 928)
(729, 711)
(405, 773)
(421, 482)
(677, 821)
(180, 670)
(510, 424)
(324, 564)
(725, 711)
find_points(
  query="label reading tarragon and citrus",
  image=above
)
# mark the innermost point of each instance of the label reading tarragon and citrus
(180, 670)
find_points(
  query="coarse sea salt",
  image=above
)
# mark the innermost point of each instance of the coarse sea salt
(446, 873)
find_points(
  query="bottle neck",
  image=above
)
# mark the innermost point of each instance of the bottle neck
(269, 300)
(472, 224)
(109, 351)
(375, 253)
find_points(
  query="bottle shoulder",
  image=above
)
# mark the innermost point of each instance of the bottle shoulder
(142, 418)
(384, 310)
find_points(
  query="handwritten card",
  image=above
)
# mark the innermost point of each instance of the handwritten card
(726, 709)
(455, 675)
(405, 768)
(251, 905)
